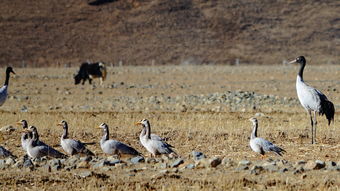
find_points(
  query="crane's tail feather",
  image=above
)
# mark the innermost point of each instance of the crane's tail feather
(328, 109)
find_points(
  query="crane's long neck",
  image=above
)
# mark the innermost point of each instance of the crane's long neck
(65, 133)
(7, 79)
(254, 133)
(302, 67)
(106, 135)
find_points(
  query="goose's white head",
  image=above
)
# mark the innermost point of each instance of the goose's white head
(103, 126)
(144, 123)
(253, 120)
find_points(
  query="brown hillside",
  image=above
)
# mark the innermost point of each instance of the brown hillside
(143, 32)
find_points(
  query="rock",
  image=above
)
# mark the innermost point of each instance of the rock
(283, 170)
(112, 162)
(86, 158)
(99, 164)
(73, 160)
(242, 167)
(85, 174)
(2, 164)
(301, 162)
(83, 164)
(190, 166)
(197, 155)
(55, 164)
(244, 163)
(256, 170)
(177, 162)
(151, 160)
(228, 162)
(137, 159)
(299, 170)
(10, 161)
(315, 165)
(28, 163)
(214, 162)
(330, 164)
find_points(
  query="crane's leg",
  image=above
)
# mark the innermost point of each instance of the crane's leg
(312, 123)
(315, 123)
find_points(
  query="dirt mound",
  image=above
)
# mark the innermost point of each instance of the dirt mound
(143, 32)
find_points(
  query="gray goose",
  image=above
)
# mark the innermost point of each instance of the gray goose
(154, 146)
(113, 147)
(71, 146)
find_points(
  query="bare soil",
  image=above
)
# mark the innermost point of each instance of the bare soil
(145, 32)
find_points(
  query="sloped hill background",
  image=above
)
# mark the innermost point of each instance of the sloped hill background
(144, 32)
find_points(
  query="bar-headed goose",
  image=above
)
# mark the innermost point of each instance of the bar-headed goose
(113, 147)
(154, 146)
(71, 146)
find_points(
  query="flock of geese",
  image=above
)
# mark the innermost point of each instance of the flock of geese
(313, 100)
(35, 148)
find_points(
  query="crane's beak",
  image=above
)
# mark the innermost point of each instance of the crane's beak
(98, 127)
(18, 123)
(138, 123)
(60, 124)
(292, 62)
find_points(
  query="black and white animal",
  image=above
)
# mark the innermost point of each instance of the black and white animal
(89, 71)
(313, 100)
(261, 145)
(3, 89)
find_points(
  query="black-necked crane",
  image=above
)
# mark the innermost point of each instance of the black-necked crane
(313, 100)
(3, 89)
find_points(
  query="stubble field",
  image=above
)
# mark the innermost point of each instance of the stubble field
(196, 108)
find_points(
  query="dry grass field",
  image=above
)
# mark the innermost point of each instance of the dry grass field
(45, 96)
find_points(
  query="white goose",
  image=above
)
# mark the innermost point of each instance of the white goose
(3, 89)
(113, 147)
(261, 145)
(38, 149)
(71, 146)
(155, 146)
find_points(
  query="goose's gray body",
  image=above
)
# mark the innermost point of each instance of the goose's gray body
(113, 147)
(71, 146)
(261, 145)
(156, 146)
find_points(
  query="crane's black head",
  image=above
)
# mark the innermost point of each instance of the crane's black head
(300, 60)
(9, 70)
